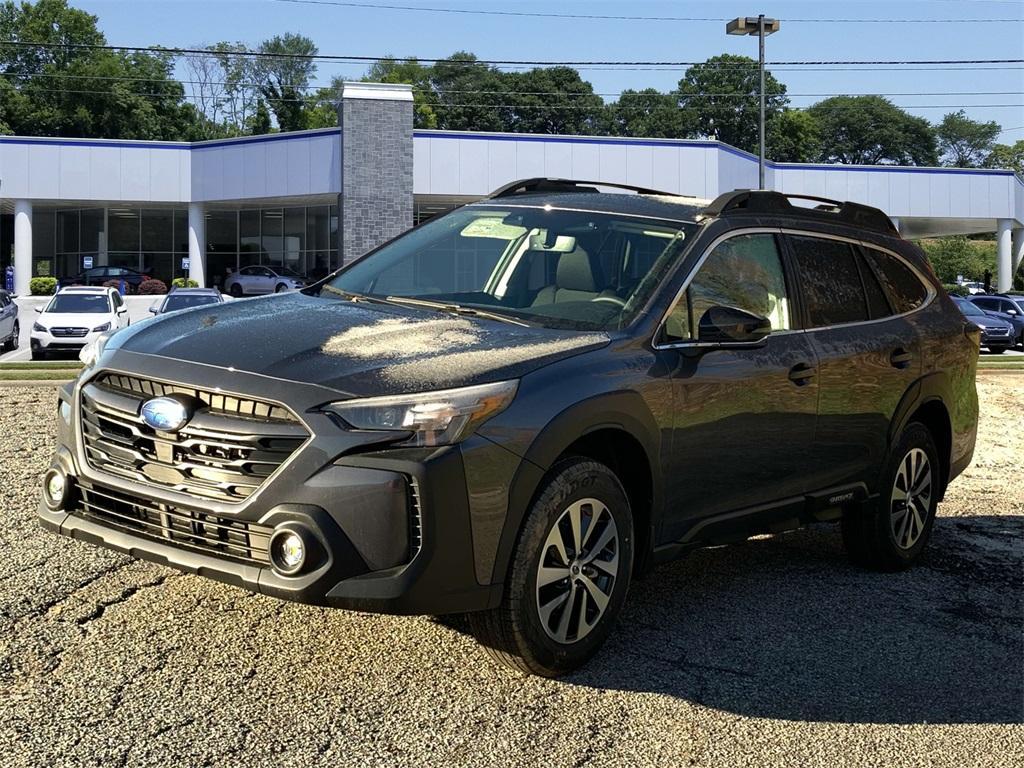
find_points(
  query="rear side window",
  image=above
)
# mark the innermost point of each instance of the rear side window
(832, 286)
(905, 289)
(878, 304)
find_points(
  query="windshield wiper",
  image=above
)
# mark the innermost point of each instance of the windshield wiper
(456, 309)
(355, 298)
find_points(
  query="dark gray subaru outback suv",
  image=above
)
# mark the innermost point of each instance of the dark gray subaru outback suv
(515, 408)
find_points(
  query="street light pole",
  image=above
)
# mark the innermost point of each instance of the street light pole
(760, 126)
(762, 27)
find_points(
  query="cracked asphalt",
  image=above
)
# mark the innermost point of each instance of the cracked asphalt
(773, 652)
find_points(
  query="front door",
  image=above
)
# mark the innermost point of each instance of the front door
(744, 416)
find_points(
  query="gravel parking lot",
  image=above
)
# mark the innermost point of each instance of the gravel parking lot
(774, 652)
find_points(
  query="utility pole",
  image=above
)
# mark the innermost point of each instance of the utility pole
(762, 27)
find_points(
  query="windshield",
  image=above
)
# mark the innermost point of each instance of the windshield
(184, 302)
(79, 304)
(969, 309)
(559, 269)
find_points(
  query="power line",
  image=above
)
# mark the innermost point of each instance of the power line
(609, 17)
(571, 94)
(476, 62)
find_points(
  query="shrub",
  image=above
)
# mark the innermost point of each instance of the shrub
(954, 289)
(112, 284)
(184, 282)
(152, 287)
(42, 286)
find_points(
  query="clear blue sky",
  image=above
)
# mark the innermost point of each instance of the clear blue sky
(359, 31)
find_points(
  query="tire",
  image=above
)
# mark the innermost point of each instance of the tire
(12, 341)
(892, 536)
(522, 635)
(997, 350)
(39, 354)
(235, 290)
(280, 288)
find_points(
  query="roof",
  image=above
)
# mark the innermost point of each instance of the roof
(194, 290)
(85, 289)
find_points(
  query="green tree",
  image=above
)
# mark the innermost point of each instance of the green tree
(952, 257)
(965, 143)
(284, 71)
(410, 71)
(794, 136)
(648, 113)
(872, 130)
(1007, 156)
(470, 96)
(722, 98)
(554, 100)
(85, 92)
(259, 121)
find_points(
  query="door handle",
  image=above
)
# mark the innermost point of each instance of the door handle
(900, 358)
(801, 374)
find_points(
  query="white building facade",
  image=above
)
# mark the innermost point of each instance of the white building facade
(200, 209)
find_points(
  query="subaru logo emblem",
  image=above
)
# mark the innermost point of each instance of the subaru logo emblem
(165, 414)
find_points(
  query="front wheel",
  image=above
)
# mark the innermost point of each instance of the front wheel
(892, 535)
(569, 575)
(997, 350)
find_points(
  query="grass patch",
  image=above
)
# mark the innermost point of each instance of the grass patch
(40, 365)
(38, 375)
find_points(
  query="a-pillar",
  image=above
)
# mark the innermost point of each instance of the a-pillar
(375, 203)
(1004, 257)
(22, 246)
(197, 243)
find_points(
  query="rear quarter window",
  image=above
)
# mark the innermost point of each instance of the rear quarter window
(905, 289)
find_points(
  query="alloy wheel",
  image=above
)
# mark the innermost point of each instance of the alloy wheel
(911, 498)
(577, 570)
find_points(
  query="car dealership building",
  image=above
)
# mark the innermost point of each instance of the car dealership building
(313, 200)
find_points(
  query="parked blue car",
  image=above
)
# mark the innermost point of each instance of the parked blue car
(1005, 307)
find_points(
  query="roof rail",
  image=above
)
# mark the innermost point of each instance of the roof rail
(541, 184)
(768, 201)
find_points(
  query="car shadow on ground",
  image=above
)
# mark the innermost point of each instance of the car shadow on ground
(785, 628)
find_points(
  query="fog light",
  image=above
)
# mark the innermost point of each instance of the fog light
(55, 489)
(288, 551)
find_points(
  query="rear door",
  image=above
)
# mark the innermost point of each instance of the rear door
(868, 355)
(8, 311)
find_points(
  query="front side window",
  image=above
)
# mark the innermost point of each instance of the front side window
(905, 289)
(555, 268)
(744, 272)
(831, 281)
(79, 303)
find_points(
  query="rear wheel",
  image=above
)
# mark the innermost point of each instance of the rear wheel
(12, 343)
(569, 574)
(235, 290)
(893, 535)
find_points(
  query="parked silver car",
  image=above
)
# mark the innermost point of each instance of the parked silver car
(253, 280)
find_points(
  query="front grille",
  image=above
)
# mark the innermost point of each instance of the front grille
(226, 451)
(65, 333)
(998, 332)
(235, 539)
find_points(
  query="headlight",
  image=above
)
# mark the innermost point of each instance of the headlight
(38, 327)
(91, 352)
(433, 418)
(104, 327)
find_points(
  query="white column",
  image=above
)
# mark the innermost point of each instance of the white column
(1004, 281)
(22, 246)
(197, 243)
(1017, 249)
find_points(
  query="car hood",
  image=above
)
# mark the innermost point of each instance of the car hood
(360, 349)
(990, 321)
(74, 319)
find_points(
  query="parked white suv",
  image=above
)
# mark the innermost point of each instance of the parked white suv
(76, 316)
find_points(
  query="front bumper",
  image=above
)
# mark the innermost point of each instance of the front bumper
(395, 527)
(47, 341)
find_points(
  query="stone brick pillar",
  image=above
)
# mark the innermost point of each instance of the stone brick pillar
(375, 203)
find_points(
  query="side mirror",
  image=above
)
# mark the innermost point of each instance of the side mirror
(39, 310)
(122, 310)
(153, 310)
(728, 326)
